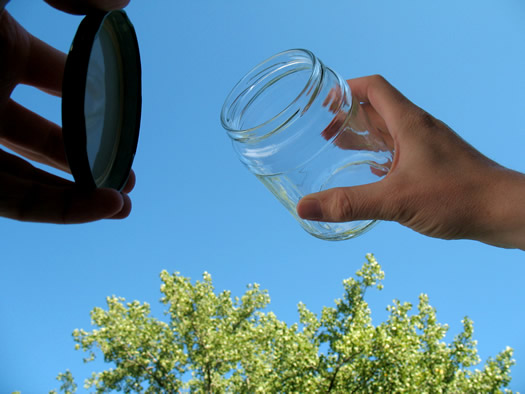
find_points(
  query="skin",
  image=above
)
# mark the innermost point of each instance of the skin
(438, 184)
(28, 193)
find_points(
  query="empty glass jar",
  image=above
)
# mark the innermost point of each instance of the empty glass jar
(294, 124)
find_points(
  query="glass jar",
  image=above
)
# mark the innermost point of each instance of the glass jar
(294, 124)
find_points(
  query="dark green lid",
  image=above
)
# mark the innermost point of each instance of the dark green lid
(101, 100)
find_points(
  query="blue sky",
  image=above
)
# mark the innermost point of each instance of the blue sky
(197, 209)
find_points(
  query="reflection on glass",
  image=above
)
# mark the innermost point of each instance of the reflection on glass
(294, 124)
(102, 103)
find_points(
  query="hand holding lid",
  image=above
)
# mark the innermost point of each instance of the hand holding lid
(28, 193)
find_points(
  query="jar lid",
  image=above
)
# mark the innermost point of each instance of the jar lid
(101, 100)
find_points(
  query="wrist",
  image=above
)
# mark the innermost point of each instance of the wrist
(505, 207)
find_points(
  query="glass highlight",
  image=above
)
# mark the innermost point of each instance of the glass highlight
(294, 125)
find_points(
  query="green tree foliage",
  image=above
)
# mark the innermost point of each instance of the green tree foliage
(213, 343)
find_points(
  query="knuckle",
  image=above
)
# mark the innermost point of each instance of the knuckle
(422, 119)
(378, 78)
(341, 208)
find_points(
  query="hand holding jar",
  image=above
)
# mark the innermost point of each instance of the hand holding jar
(294, 123)
(438, 184)
(341, 155)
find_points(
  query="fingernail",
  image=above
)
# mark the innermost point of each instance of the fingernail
(310, 209)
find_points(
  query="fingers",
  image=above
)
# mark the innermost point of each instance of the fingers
(81, 7)
(347, 204)
(387, 101)
(20, 168)
(377, 126)
(38, 139)
(130, 183)
(30, 194)
(365, 116)
(14, 49)
(334, 99)
(32, 136)
(334, 127)
(44, 67)
(28, 60)
(34, 202)
(125, 210)
(27, 193)
(382, 109)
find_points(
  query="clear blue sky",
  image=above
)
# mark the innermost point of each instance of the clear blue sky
(197, 209)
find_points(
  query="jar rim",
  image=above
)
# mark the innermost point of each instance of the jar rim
(241, 87)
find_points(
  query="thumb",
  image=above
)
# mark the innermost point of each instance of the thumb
(344, 204)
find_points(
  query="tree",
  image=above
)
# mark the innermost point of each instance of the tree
(213, 343)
